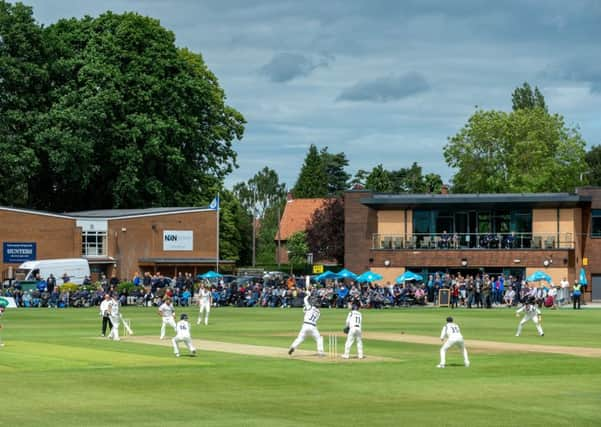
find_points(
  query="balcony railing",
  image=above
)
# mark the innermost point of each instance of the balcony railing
(473, 241)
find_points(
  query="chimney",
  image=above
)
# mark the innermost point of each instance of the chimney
(289, 197)
(444, 189)
(358, 187)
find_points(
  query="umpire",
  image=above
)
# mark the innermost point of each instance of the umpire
(104, 312)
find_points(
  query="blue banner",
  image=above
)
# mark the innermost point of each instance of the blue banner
(18, 252)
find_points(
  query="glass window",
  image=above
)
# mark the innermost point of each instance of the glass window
(596, 223)
(501, 221)
(484, 222)
(93, 243)
(421, 221)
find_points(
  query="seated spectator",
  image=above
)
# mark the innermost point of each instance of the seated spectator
(185, 297)
(509, 297)
(27, 299)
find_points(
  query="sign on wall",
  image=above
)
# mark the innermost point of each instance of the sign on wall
(18, 252)
(178, 240)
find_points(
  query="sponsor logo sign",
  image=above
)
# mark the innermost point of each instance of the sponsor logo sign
(18, 252)
(178, 240)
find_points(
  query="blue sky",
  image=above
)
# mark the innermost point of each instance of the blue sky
(384, 81)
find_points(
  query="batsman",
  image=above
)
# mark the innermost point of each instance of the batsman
(353, 331)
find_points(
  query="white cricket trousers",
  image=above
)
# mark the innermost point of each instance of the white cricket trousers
(205, 308)
(309, 330)
(114, 335)
(525, 320)
(450, 343)
(186, 339)
(168, 321)
(354, 334)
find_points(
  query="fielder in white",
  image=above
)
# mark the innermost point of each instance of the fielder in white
(167, 313)
(531, 312)
(115, 318)
(309, 327)
(205, 299)
(353, 322)
(452, 332)
(183, 334)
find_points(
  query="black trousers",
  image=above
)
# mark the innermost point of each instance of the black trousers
(576, 301)
(106, 321)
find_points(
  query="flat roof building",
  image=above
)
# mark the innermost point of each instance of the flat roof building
(510, 234)
(120, 241)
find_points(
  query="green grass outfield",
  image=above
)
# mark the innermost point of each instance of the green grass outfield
(55, 370)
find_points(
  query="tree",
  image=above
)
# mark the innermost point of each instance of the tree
(526, 98)
(527, 150)
(592, 174)
(297, 248)
(234, 230)
(262, 192)
(23, 96)
(127, 119)
(379, 180)
(336, 177)
(312, 181)
(325, 232)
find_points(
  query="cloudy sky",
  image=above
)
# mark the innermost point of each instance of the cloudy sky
(385, 81)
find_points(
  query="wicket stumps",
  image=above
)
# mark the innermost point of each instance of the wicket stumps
(332, 346)
(126, 323)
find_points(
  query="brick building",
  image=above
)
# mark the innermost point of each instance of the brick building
(124, 241)
(517, 234)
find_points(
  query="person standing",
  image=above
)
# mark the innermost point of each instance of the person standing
(183, 334)
(531, 312)
(1, 326)
(452, 333)
(576, 294)
(309, 327)
(353, 326)
(115, 316)
(167, 313)
(564, 293)
(205, 299)
(105, 313)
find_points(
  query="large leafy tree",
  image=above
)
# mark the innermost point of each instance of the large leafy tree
(325, 232)
(130, 119)
(23, 97)
(526, 150)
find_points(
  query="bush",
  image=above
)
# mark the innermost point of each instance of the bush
(125, 287)
(70, 287)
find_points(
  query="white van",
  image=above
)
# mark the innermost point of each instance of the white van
(76, 268)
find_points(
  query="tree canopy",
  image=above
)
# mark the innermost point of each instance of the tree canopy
(325, 232)
(402, 181)
(322, 174)
(112, 114)
(526, 150)
(525, 97)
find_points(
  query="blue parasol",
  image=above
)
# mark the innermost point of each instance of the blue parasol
(408, 276)
(538, 276)
(369, 276)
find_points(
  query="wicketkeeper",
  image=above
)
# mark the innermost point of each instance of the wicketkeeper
(353, 331)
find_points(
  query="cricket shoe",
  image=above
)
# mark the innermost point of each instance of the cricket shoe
(345, 356)
(440, 366)
(193, 353)
(198, 322)
(290, 351)
(467, 365)
(176, 354)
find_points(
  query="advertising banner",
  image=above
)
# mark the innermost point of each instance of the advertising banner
(178, 240)
(18, 252)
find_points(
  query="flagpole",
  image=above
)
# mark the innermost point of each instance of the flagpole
(218, 203)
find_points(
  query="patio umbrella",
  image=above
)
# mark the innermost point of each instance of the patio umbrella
(346, 274)
(582, 278)
(209, 275)
(369, 276)
(537, 276)
(409, 275)
(326, 275)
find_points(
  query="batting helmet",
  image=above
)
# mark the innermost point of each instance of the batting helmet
(184, 316)
(449, 319)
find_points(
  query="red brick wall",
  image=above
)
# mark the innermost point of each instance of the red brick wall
(55, 237)
(360, 223)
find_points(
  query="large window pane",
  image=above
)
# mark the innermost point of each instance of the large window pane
(596, 223)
